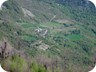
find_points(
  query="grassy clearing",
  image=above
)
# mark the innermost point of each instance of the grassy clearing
(74, 37)
(51, 24)
(29, 38)
(27, 25)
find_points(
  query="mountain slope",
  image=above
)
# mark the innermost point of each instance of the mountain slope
(60, 35)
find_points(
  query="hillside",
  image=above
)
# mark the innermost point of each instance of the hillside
(48, 35)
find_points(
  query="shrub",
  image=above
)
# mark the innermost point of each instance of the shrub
(17, 64)
(37, 68)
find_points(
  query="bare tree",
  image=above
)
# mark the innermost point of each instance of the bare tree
(3, 53)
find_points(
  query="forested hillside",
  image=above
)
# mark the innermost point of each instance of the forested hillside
(48, 35)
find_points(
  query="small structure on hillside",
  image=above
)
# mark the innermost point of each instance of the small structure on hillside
(41, 32)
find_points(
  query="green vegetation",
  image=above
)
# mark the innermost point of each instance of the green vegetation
(59, 38)
(17, 64)
(74, 37)
(51, 24)
(29, 38)
(27, 25)
(37, 68)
